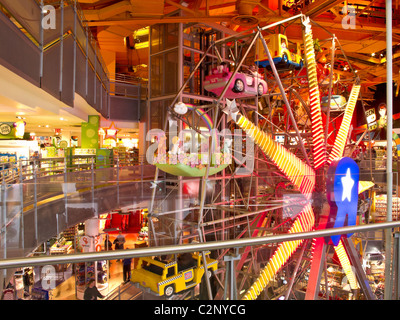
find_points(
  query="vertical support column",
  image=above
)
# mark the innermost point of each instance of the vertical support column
(91, 231)
(21, 195)
(66, 188)
(355, 262)
(4, 211)
(293, 276)
(93, 180)
(87, 64)
(74, 49)
(230, 276)
(41, 41)
(179, 201)
(316, 270)
(35, 197)
(389, 159)
(396, 265)
(118, 182)
(61, 46)
(4, 221)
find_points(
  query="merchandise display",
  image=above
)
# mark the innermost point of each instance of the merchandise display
(381, 207)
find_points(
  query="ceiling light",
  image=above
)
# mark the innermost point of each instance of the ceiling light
(373, 54)
(47, 125)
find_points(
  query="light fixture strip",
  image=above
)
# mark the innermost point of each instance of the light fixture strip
(304, 222)
(299, 173)
(317, 131)
(341, 138)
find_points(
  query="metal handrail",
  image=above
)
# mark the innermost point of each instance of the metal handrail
(194, 247)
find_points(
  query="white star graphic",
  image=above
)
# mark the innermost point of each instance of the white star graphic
(231, 109)
(348, 184)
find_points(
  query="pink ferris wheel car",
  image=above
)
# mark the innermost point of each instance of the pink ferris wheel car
(242, 85)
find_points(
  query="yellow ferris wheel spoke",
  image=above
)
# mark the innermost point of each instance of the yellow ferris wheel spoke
(319, 150)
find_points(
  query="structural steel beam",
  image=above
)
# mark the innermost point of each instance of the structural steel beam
(194, 247)
(355, 262)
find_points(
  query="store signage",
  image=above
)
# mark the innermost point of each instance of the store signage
(342, 194)
(5, 129)
(371, 119)
(19, 129)
(188, 275)
(85, 241)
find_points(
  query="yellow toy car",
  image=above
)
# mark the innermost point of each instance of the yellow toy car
(170, 277)
(283, 52)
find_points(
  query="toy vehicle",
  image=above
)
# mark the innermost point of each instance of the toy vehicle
(170, 277)
(283, 52)
(337, 103)
(242, 85)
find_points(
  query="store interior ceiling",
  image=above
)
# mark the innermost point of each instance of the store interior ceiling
(113, 21)
(365, 45)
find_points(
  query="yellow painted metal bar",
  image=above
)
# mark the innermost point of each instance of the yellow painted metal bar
(341, 138)
(345, 262)
(319, 150)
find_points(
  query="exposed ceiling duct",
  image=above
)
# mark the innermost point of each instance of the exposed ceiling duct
(245, 15)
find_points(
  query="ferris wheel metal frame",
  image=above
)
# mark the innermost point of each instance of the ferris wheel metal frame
(262, 217)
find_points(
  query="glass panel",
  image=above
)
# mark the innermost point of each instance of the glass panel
(164, 66)
(163, 37)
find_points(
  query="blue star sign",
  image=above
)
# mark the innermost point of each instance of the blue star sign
(342, 195)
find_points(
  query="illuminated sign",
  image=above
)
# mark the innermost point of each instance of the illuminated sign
(342, 194)
(341, 138)
(5, 129)
(371, 119)
(19, 129)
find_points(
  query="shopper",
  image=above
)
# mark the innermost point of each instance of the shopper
(127, 265)
(119, 242)
(91, 292)
(107, 243)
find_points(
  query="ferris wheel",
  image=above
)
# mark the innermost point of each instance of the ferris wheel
(322, 170)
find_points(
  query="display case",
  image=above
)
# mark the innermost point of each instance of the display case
(62, 246)
(380, 205)
(53, 161)
(70, 233)
(120, 155)
(81, 158)
(7, 161)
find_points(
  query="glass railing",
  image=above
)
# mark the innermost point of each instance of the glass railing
(93, 80)
(38, 203)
